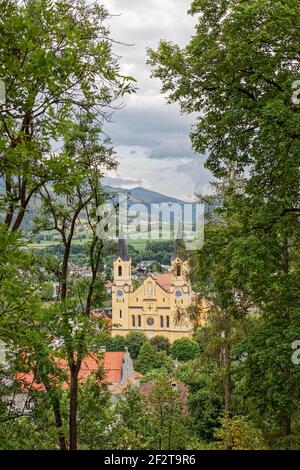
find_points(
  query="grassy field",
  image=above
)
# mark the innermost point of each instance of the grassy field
(137, 240)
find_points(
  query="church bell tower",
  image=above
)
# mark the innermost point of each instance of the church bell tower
(121, 288)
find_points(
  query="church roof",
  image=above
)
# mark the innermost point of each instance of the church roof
(123, 253)
(163, 280)
(179, 248)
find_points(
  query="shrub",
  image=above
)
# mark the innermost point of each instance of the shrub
(184, 349)
(117, 343)
(149, 358)
(161, 343)
(134, 341)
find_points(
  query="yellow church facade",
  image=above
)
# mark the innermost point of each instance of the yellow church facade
(150, 308)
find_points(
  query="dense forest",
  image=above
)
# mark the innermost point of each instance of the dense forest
(239, 78)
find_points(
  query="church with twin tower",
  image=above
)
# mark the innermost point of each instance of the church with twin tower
(151, 307)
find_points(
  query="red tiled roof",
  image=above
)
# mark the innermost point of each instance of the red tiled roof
(111, 362)
(164, 280)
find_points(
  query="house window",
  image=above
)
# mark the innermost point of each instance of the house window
(120, 313)
(168, 322)
(161, 321)
(133, 321)
(139, 321)
(120, 270)
(178, 270)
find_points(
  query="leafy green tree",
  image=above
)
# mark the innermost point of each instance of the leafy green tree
(161, 343)
(150, 358)
(238, 434)
(206, 396)
(238, 73)
(169, 429)
(56, 57)
(37, 430)
(96, 415)
(156, 374)
(134, 341)
(116, 343)
(184, 349)
(82, 161)
(47, 291)
(133, 428)
(56, 85)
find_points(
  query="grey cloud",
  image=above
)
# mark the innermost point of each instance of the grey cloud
(200, 177)
(155, 131)
(150, 127)
(110, 181)
(179, 146)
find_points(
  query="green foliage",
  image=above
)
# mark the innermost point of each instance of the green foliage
(238, 434)
(158, 251)
(184, 349)
(206, 401)
(150, 358)
(237, 75)
(59, 85)
(133, 427)
(161, 343)
(154, 421)
(71, 67)
(156, 374)
(134, 342)
(37, 429)
(116, 343)
(169, 428)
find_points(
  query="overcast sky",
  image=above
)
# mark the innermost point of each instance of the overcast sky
(152, 138)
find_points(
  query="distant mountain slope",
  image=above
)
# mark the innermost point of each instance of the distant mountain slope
(144, 196)
(139, 195)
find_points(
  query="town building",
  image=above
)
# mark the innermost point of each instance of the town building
(152, 306)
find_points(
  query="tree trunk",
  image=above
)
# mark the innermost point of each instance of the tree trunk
(73, 406)
(64, 273)
(58, 423)
(286, 428)
(228, 384)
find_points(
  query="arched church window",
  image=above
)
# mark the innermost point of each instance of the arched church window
(178, 270)
(120, 270)
(149, 289)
